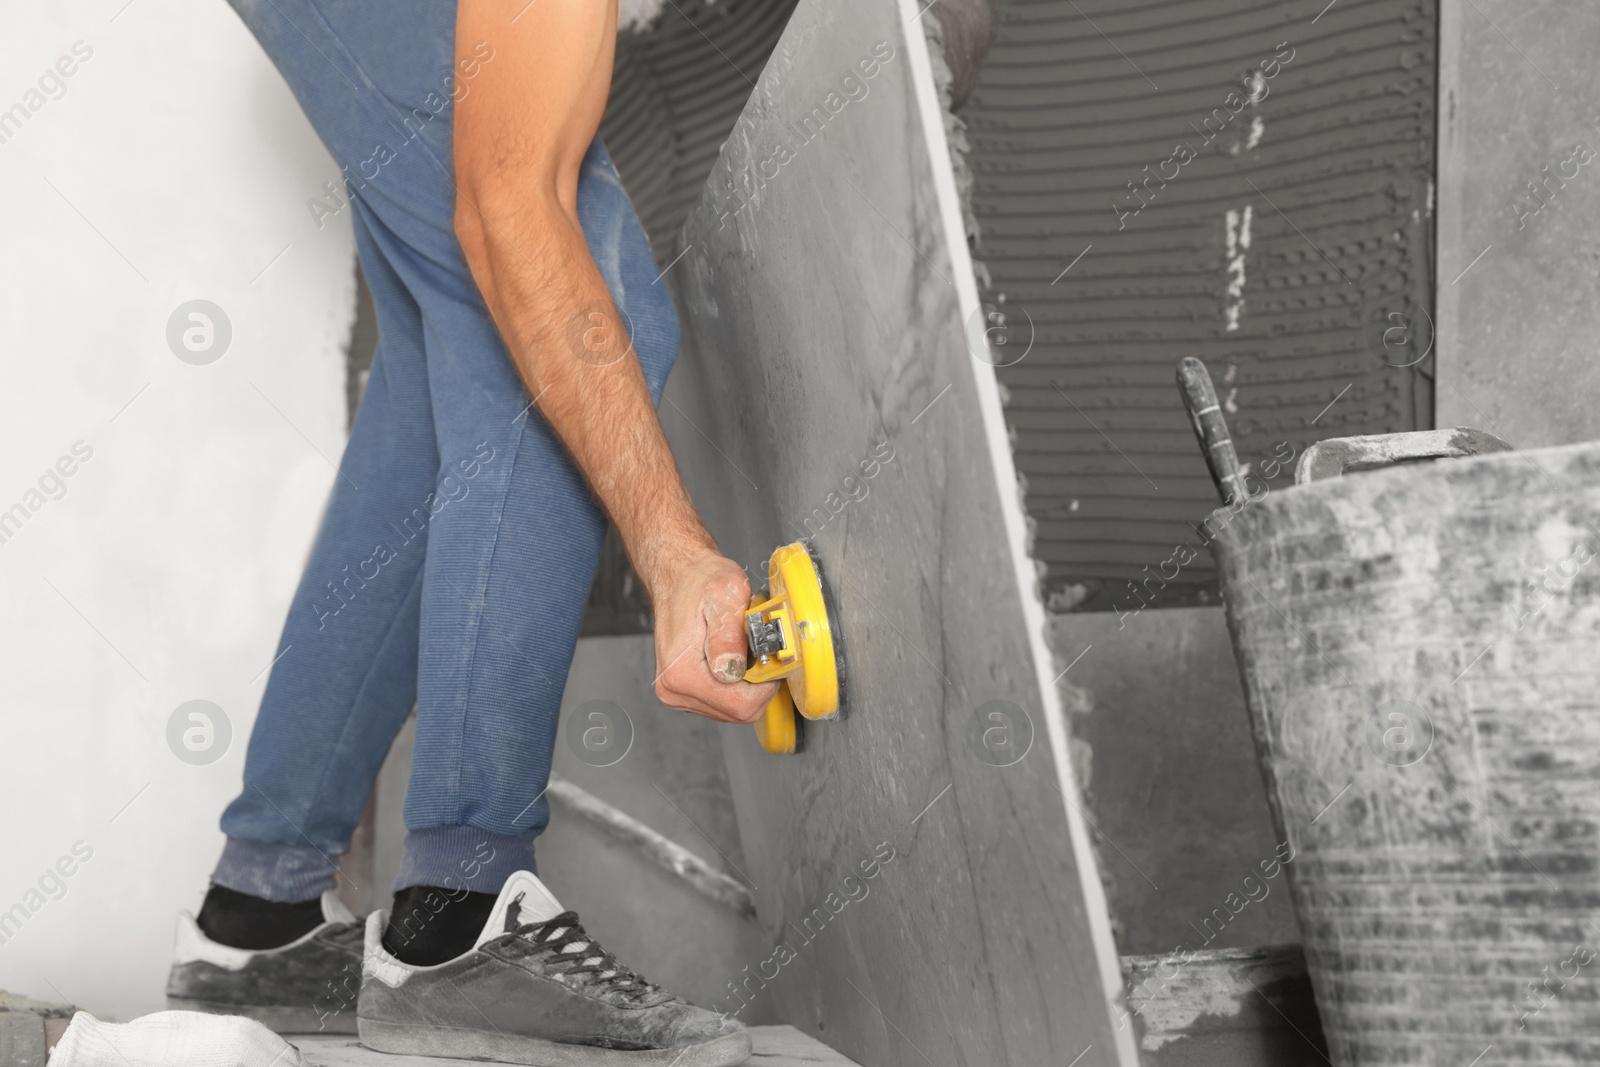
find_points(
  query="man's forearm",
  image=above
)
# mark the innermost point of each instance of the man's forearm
(556, 315)
(520, 141)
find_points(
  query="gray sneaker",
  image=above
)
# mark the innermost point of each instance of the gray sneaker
(307, 986)
(536, 989)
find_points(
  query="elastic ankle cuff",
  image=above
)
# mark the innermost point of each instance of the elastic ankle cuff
(283, 873)
(463, 857)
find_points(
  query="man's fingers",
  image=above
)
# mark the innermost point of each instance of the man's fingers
(688, 685)
(709, 680)
(745, 713)
(750, 702)
(731, 708)
(727, 646)
(729, 701)
(662, 673)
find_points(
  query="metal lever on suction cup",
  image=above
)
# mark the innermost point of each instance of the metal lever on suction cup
(792, 643)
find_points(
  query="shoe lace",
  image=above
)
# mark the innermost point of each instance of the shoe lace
(349, 936)
(572, 953)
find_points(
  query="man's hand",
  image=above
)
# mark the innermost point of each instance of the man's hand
(701, 649)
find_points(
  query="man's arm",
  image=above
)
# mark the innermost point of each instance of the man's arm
(521, 134)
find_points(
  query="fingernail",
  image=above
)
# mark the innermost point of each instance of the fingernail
(730, 668)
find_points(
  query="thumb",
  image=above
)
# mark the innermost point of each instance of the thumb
(727, 647)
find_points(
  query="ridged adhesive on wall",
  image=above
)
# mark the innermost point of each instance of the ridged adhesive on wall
(1245, 182)
(676, 92)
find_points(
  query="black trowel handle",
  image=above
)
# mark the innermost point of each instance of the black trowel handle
(1210, 428)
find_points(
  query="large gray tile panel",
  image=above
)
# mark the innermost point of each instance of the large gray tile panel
(825, 309)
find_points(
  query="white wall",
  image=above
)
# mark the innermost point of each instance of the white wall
(174, 551)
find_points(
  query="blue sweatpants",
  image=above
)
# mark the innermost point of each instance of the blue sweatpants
(455, 558)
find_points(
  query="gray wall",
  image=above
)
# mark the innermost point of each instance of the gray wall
(1517, 331)
(1168, 767)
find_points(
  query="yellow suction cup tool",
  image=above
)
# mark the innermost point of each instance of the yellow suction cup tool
(776, 727)
(791, 641)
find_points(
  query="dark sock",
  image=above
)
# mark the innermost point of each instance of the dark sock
(429, 925)
(240, 920)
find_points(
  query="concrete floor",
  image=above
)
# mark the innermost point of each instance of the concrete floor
(775, 1046)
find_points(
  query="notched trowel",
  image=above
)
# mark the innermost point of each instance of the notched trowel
(792, 642)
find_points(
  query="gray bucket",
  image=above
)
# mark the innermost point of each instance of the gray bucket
(1420, 649)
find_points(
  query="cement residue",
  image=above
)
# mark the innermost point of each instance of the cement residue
(955, 130)
(635, 16)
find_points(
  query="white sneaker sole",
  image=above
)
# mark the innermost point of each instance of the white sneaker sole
(452, 1042)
